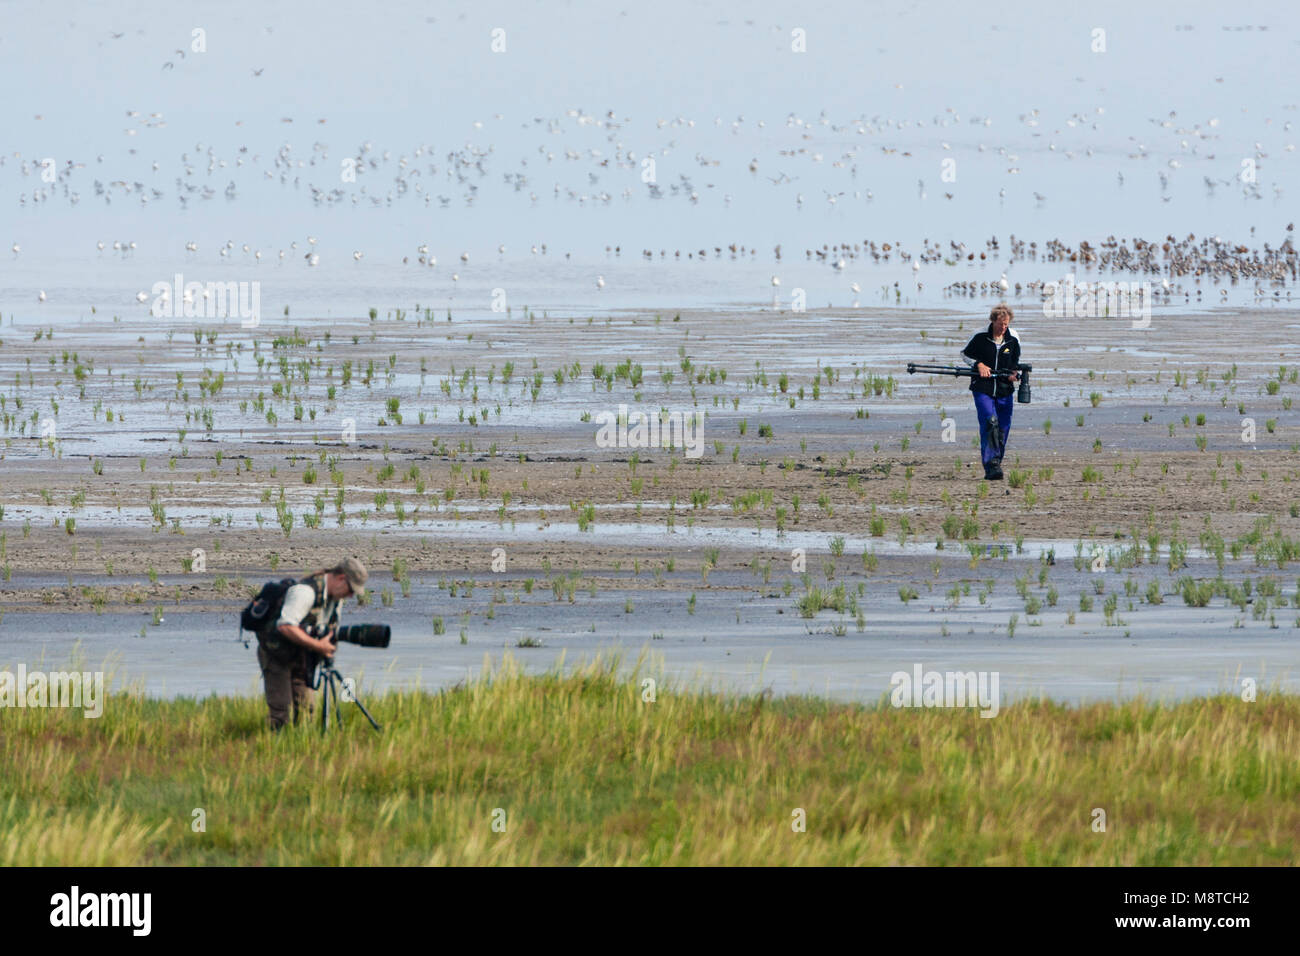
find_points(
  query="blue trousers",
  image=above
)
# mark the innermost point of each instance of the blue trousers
(989, 408)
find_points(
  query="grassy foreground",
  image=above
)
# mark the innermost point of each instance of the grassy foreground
(587, 772)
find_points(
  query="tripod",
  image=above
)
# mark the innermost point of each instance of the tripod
(328, 674)
(1023, 395)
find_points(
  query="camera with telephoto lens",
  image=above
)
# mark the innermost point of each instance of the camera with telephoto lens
(364, 635)
(1024, 394)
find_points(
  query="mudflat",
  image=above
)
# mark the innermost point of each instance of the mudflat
(813, 488)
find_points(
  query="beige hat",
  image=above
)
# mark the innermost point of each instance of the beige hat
(356, 573)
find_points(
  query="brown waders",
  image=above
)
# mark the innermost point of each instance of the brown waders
(288, 685)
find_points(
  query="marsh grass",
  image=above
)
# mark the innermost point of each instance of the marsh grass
(588, 772)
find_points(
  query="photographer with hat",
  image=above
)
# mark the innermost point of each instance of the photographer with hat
(306, 627)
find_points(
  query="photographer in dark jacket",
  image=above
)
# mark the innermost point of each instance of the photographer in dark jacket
(993, 350)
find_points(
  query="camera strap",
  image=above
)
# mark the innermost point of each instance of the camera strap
(321, 603)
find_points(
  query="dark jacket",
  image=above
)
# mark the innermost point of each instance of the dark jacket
(981, 349)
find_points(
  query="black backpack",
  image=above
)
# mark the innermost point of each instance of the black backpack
(261, 613)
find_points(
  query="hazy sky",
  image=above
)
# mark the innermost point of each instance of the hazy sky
(856, 126)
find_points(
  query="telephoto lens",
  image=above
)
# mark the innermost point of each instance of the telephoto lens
(366, 635)
(1024, 394)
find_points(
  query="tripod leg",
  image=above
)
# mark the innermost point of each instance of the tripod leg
(334, 690)
(323, 681)
(363, 710)
(331, 678)
(329, 689)
(350, 694)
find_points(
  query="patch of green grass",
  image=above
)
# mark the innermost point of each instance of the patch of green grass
(1196, 593)
(816, 600)
(708, 779)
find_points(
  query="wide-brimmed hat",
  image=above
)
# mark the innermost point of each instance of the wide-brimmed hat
(356, 573)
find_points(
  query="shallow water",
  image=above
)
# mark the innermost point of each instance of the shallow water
(742, 635)
(1165, 657)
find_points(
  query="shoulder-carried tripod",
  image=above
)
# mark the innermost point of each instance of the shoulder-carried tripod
(1023, 394)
